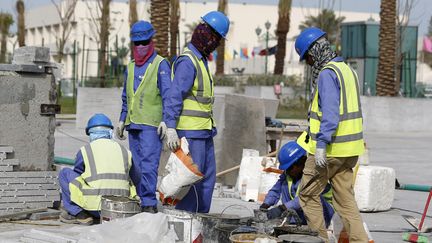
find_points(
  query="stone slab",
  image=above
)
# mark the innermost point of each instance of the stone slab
(31, 54)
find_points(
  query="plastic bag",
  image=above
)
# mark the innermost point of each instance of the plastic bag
(183, 172)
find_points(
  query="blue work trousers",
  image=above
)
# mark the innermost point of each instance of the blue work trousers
(199, 197)
(146, 148)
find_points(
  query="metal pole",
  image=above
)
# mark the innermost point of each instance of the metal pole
(82, 62)
(266, 56)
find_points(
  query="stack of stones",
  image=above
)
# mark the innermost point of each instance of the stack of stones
(21, 190)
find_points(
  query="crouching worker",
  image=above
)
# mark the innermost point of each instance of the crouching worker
(102, 167)
(292, 160)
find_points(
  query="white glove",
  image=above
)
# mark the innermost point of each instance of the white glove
(120, 131)
(320, 157)
(173, 141)
(161, 130)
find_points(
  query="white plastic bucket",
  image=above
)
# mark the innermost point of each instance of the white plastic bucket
(188, 227)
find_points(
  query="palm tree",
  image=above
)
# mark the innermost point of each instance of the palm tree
(103, 37)
(6, 21)
(220, 61)
(385, 83)
(327, 21)
(133, 18)
(159, 16)
(281, 32)
(21, 24)
(174, 27)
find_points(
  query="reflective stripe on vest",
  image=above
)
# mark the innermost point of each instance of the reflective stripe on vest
(106, 169)
(144, 104)
(347, 140)
(198, 105)
(290, 183)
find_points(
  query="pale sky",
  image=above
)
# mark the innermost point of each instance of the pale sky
(420, 15)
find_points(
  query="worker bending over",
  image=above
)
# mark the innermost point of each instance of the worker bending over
(292, 159)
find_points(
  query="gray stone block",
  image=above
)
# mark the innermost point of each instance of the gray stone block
(30, 55)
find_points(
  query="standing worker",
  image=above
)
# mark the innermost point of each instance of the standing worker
(292, 160)
(101, 168)
(335, 135)
(190, 107)
(147, 81)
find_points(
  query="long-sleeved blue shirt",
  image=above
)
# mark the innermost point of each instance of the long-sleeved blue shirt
(134, 171)
(328, 103)
(163, 84)
(184, 77)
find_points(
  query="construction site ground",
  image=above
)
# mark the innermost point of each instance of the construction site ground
(410, 154)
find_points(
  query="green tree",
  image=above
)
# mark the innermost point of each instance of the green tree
(281, 32)
(6, 20)
(386, 77)
(328, 22)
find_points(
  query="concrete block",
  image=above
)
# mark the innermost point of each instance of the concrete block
(31, 55)
(50, 214)
(374, 188)
(8, 162)
(6, 168)
(6, 149)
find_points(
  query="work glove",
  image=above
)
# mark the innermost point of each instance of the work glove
(161, 130)
(275, 212)
(173, 141)
(320, 157)
(120, 131)
(264, 207)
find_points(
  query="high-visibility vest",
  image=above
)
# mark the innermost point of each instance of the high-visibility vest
(328, 196)
(106, 172)
(197, 112)
(144, 104)
(347, 140)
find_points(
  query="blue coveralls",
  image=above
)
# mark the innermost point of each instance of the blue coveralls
(200, 141)
(67, 175)
(281, 188)
(144, 142)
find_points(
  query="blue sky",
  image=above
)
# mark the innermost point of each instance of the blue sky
(420, 15)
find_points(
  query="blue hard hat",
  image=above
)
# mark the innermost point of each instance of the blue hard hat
(218, 21)
(305, 40)
(141, 31)
(289, 154)
(98, 120)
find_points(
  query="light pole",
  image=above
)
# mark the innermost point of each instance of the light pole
(258, 31)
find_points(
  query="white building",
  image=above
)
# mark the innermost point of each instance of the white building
(43, 25)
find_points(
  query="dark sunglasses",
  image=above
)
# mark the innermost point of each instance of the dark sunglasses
(142, 43)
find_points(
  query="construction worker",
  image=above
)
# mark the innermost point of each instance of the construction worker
(102, 167)
(335, 135)
(147, 81)
(292, 159)
(190, 107)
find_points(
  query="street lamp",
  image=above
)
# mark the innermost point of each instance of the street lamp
(258, 31)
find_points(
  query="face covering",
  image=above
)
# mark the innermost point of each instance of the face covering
(100, 132)
(205, 39)
(142, 53)
(321, 53)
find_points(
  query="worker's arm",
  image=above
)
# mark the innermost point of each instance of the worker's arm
(274, 194)
(164, 82)
(79, 163)
(124, 109)
(328, 101)
(184, 76)
(135, 174)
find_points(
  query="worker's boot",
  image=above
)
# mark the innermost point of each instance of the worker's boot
(82, 218)
(149, 209)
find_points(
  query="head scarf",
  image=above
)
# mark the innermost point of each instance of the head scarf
(205, 39)
(100, 132)
(143, 53)
(321, 54)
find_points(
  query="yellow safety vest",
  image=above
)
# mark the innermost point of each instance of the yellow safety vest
(144, 104)
(106, 172)
(328, 196)
(347, 140)
(197, 112)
